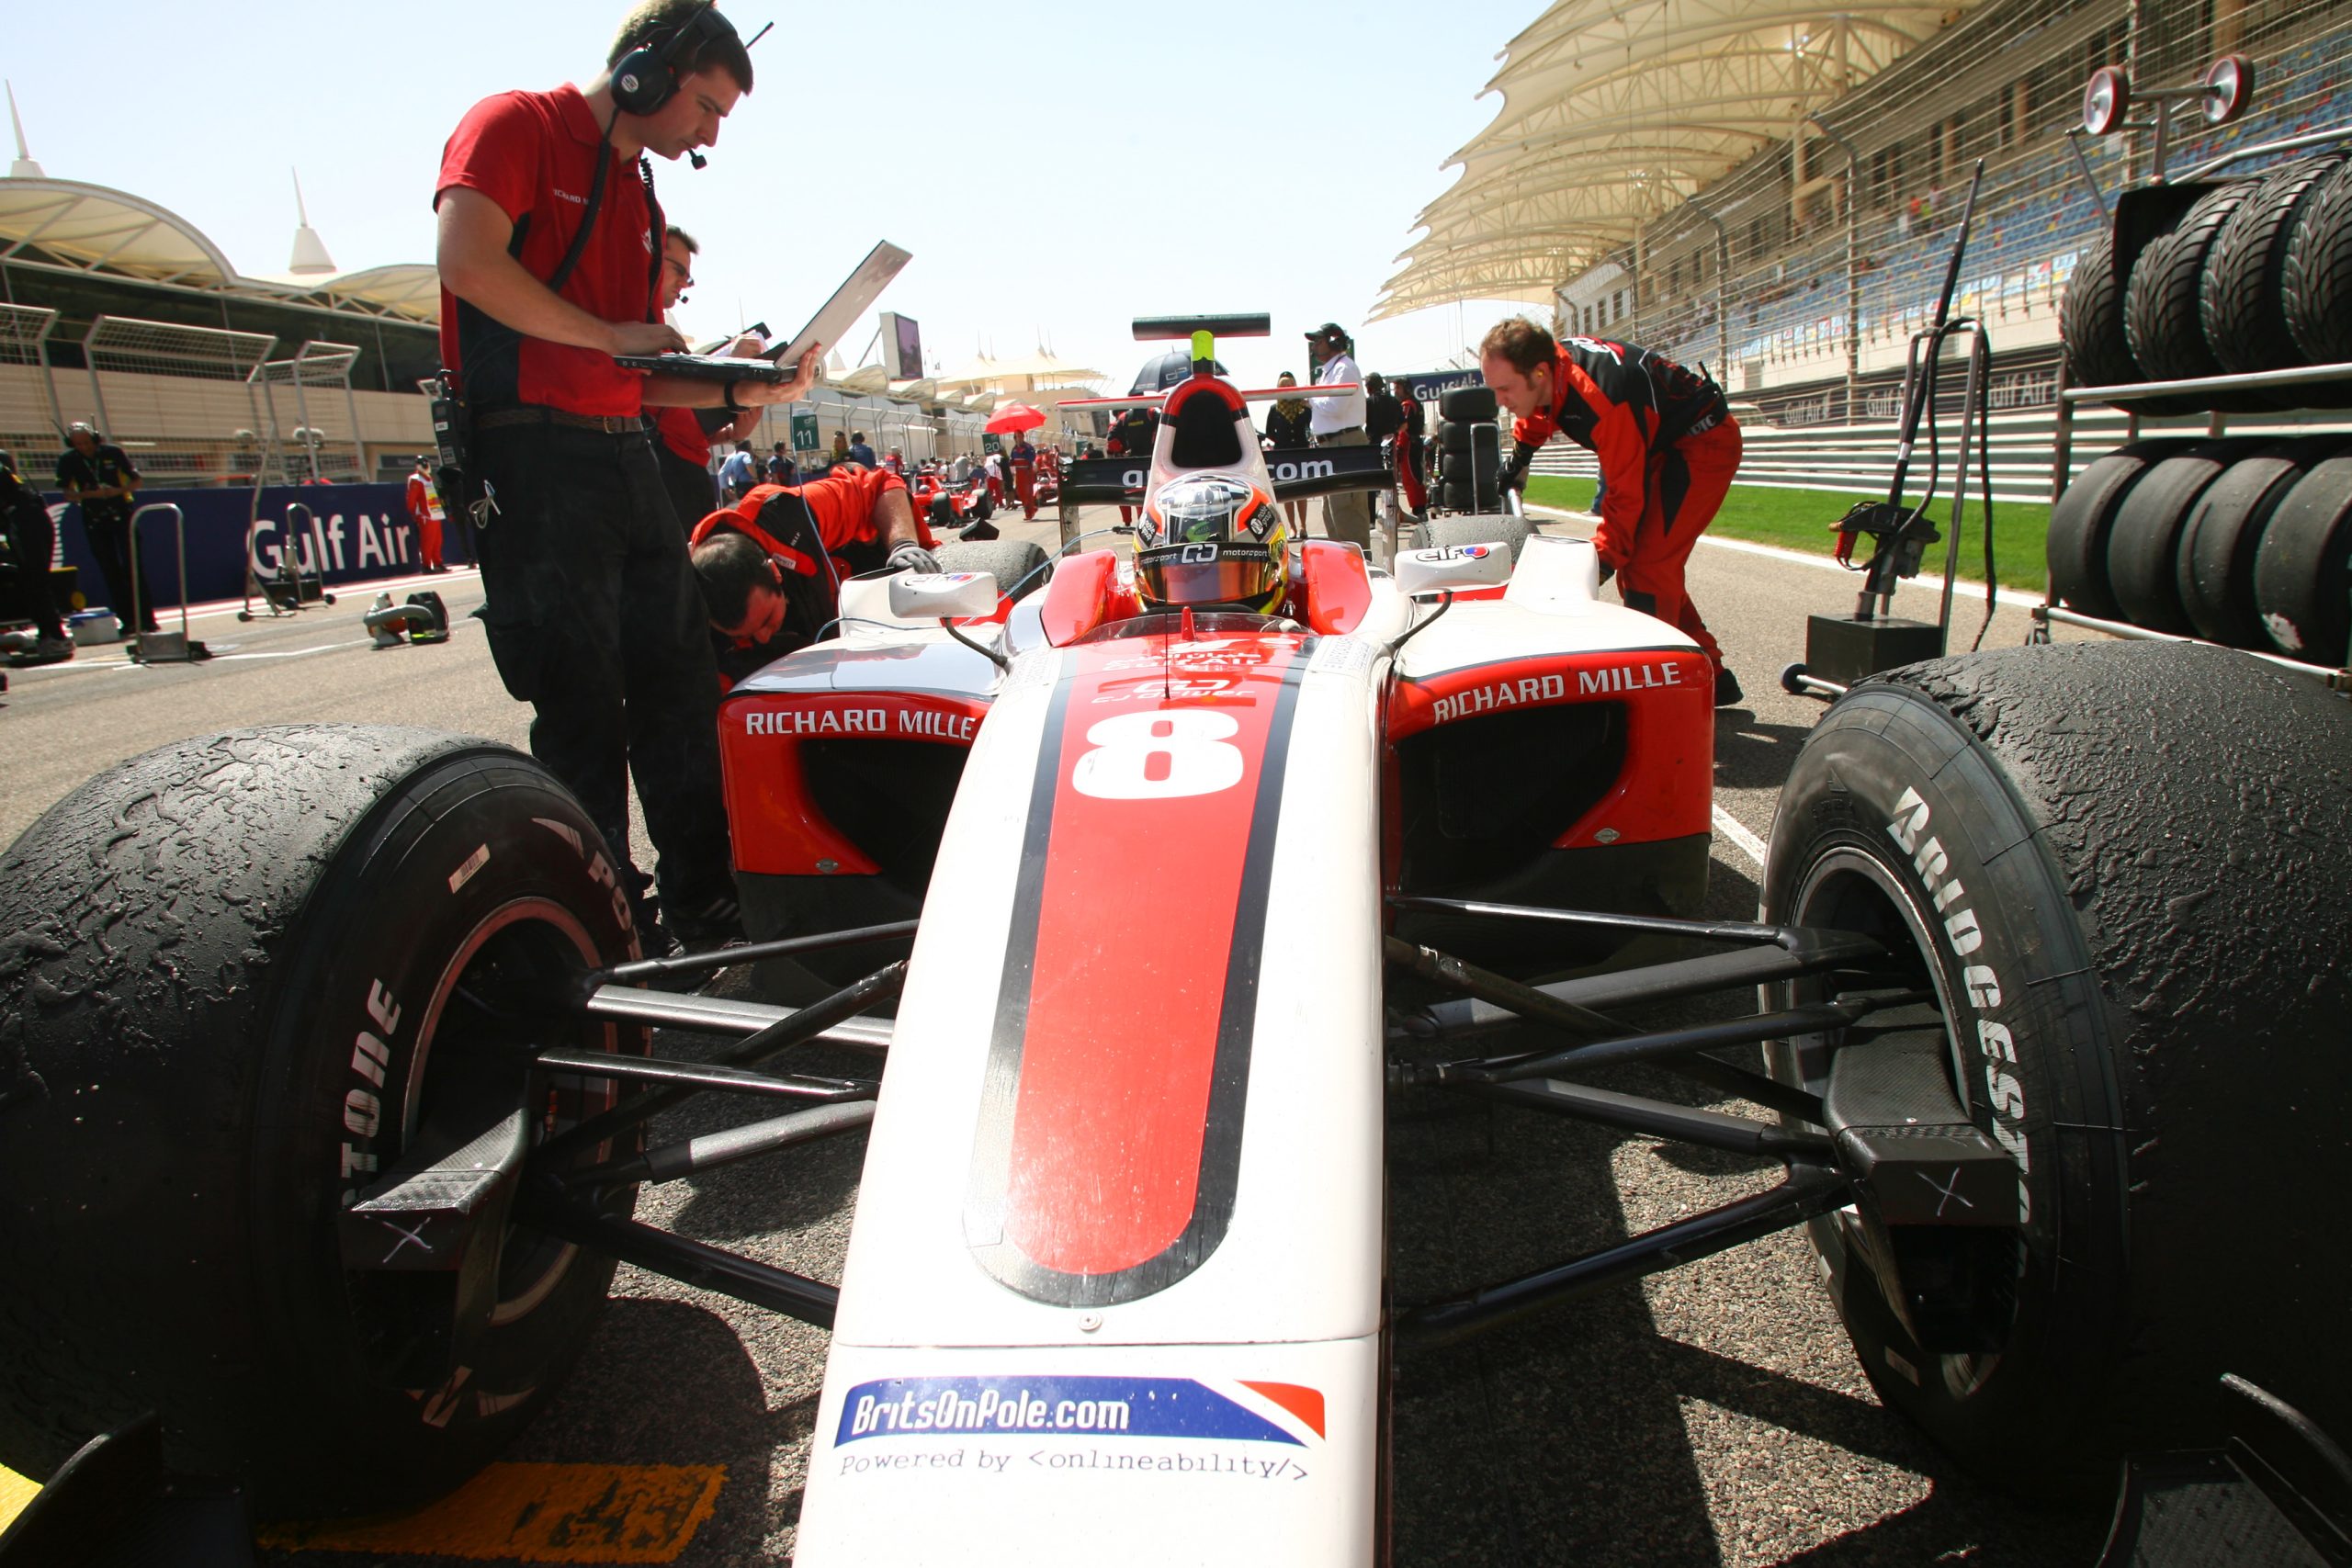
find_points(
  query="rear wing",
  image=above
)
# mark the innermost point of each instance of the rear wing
(1252, 395)
(1297, 472)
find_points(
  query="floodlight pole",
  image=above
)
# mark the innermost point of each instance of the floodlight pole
(1853, 277)
(1723, 282)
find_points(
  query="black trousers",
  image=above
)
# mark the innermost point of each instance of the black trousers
(594, 619)
(109, 536)
(692, 495)
(32, 539)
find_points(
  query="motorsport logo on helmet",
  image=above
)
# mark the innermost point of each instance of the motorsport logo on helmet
(1213, 539)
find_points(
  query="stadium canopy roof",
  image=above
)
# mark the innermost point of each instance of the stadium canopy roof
(1615, 110)
(109, 233)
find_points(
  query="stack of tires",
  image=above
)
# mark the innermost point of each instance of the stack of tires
(2225, 278)
(1468, 474)
(2245, 541)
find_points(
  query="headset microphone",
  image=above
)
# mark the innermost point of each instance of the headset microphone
(699, 161)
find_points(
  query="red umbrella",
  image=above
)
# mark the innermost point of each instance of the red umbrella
(1014, 417)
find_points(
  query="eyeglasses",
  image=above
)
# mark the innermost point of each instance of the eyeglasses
(685, 274)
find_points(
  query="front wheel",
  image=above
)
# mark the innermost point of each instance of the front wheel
(2117, 872)
(243, 976)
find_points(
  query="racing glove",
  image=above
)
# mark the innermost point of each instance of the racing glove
(911, 557)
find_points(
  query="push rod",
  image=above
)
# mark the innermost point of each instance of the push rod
(692, 1156)
(722, 1015)
(792, 1029)
(1659, 1119)
(702, 1075)
(1811, 1019)
(646, 969)
(1809, 1192)
(549, 1207)
(1707, 931)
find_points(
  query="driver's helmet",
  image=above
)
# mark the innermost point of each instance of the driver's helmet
(1212, 539)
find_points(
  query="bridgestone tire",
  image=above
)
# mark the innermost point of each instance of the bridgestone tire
(2161, 314)
(1017, 564)
(1467, 405)
(1456, 495)
(2302, 571)
(2318, 280)
(2085, 515)
(2224, 531)
(228, 966)
(1455, 437)
(2119, 865)
(2242, 301)
(2091, 322)
(2143, 548)
(1499, 526)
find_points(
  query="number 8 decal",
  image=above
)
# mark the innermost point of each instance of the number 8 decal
(1160, 756)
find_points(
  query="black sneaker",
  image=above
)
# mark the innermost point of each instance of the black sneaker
(1727, 690)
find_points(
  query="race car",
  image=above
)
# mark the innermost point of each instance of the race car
(1155, 888)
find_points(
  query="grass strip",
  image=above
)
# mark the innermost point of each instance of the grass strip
(1800, 520)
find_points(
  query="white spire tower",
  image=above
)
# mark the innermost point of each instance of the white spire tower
(23, 168)
(309, 251)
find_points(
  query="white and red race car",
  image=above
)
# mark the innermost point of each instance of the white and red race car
(1203, 857)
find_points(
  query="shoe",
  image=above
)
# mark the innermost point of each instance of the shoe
(1727, 690)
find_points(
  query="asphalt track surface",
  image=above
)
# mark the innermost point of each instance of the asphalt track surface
(1714, 1414)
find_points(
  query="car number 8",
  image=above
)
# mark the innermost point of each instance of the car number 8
(1160, 756)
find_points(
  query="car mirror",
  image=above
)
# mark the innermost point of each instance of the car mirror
(942, 595)
(1453, 566)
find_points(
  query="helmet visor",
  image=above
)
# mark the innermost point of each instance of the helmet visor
(1209, 573)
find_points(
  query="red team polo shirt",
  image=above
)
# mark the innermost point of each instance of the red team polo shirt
(682, 433)
(534, 154)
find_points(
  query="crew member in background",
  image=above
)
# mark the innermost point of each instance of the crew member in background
(1338, 422)
(550, 249)
(861, 452)
(740, 472)
(1024, 475)
(98, 476)
(1286, 426)
(424, 511)
(1669, 450)
(994, 466)
(771, 566)
(1132, 435)
(1409, 450)
(781, 469)
(32, 542)
(684, 450)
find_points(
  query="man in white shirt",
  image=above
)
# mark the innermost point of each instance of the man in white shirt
(1338, 422)
(737, 475)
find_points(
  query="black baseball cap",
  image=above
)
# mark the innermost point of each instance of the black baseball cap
(1329, 331)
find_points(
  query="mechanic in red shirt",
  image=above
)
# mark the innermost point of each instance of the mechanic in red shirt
(548, 251)
(684, 450)
(1667, 445)
(1024, 475)
(771, 566)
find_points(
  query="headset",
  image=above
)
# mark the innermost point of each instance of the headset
(647, 76)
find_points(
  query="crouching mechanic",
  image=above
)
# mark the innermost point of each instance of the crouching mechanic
(1667, 445)
(771, 566)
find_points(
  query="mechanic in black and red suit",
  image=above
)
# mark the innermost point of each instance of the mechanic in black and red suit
(771, 566)
(1132, 435)
(591, 610)
(1667, 445)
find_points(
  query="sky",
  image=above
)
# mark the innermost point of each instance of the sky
(1056, 171)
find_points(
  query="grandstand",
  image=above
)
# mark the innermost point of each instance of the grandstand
(1774, 192)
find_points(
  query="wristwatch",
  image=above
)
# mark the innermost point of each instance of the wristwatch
(732, 406)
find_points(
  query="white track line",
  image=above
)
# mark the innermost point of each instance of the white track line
(1732, 831)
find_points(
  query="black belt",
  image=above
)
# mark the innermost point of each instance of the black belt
(1351, 430)
(608, 424)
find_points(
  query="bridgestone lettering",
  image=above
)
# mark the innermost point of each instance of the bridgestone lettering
(2004, 1093)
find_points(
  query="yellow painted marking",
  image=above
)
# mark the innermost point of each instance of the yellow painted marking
(16, 1495)
(537, 1512)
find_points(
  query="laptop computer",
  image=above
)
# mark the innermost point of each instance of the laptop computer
(837, 315)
